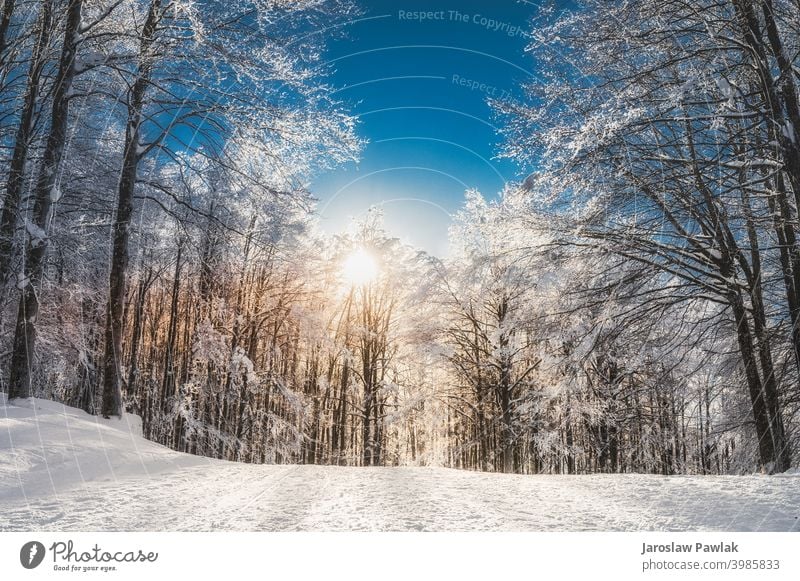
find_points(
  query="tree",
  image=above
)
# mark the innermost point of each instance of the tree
(657, 150)
(45, 194)
(177, 48)
(24, 134)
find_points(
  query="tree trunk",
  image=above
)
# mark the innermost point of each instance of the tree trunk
(782, 458)
(112, 395)
(16, 170)
(768, 455)
(36, 237)
(168, 381)
(790, 114)
(136, 334)
(5, 22)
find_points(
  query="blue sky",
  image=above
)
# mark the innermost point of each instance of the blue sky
(419, 85)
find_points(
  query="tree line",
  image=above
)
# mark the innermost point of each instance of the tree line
(631, 306)
(669, 131)
(111, 106)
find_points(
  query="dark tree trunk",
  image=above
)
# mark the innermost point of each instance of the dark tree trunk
(112, 395)
(782, 458)
(136, 335)
(787, 91)
(789, 258)
(5, 22)
(36, 245)
(341, 416)
(168, 382)
(366, 427)
(781, 106)
(768, 454)
(16, 170)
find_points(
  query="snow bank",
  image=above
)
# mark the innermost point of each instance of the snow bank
(49, 449)
(61, 469)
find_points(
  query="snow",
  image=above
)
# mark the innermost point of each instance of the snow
(61, 469)
(727, 91)
(37, 234)
(788, 131)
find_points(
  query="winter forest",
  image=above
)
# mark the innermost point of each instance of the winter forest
(631, 306)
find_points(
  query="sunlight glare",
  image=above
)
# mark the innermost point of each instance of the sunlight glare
(360, 267)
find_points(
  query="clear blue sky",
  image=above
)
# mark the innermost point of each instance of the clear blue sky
(419, 87)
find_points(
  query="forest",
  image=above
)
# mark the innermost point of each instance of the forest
(632, 305)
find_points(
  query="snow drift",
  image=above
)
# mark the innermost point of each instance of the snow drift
(61, 469)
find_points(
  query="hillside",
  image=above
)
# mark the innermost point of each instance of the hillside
(61, 469)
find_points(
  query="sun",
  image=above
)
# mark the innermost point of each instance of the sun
(360, 268)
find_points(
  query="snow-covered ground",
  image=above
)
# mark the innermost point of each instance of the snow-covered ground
(61, 469)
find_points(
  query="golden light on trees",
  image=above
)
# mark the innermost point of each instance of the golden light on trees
(360, 267)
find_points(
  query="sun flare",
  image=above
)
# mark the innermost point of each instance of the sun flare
(360, 268)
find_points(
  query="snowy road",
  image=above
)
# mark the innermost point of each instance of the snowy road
(95, 475)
